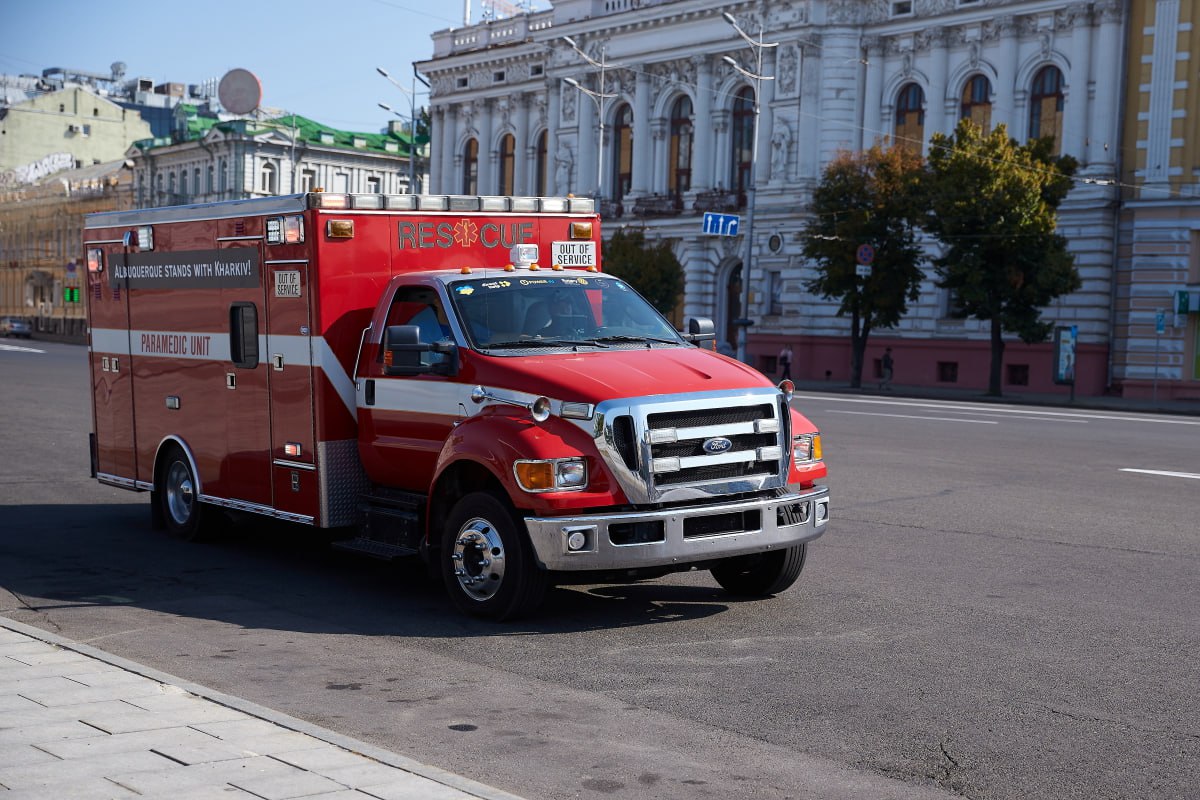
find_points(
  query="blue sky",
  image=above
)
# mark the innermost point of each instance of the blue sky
(313, 58)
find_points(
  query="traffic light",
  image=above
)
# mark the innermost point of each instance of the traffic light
(70, 294)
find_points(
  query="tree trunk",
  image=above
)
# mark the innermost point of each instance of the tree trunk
(997, 358)
(858, 344)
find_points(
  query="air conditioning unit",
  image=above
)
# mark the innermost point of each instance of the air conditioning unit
(73, 129)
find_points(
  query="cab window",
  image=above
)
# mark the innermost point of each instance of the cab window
(420, 306)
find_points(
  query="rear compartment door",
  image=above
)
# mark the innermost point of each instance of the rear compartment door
(290, 372)
(112, 377)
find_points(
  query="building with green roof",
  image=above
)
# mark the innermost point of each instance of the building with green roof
(208, 158)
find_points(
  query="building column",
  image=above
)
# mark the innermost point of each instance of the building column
(1076, 122)
(661, 149)
(589, 144)
(722, 145)
(521, 145)
(702, 145)
(935, 113)
(642, 141)
(766, 120)
(873, 92)
(552, 106)
(1103, 130)
(808, 161)
(487, 156)
(451, 161)
(1004, 110)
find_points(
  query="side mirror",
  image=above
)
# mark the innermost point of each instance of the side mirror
(403, 348)
(700, 329)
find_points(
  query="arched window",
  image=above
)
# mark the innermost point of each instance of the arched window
(910, 117)
(541, 163)
(508, 150)
(171, 186)
(977, 102)
(196, 180)
(266, 178)
(210, 179)
(680, 178)
(470, 173)
(622, 151)
(183, 184)
(1046, 106)
(742, 143)
(224, 176)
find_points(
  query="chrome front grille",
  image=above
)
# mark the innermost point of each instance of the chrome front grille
(684, 447)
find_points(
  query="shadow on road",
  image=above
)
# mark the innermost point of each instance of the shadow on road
(270, 575)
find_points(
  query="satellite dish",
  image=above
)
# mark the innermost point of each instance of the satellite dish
(239, 91)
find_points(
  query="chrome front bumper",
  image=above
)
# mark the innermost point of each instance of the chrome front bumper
(681, 535)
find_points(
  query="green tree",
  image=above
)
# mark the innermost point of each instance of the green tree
(867, 198)
(652, 269)
(993, 206)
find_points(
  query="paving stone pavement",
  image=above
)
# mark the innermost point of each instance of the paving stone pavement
(79, 723)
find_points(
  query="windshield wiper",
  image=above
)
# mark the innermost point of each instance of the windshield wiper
(620, 337)
(522, 343)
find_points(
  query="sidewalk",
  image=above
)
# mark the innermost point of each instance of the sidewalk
(871, 389)
(79, 723)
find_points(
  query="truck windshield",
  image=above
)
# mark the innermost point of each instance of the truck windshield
(560, 310)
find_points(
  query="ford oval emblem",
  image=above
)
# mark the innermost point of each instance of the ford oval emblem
(718, 444)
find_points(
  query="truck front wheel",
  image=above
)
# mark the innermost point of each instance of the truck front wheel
(175, 492)
(487, 562)
(761, 574)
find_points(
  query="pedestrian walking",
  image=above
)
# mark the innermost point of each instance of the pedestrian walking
(886, 366)
(785, 362)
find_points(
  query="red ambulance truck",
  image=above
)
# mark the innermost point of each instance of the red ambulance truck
(444, 376)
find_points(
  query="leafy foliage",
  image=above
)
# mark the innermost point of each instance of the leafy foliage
(993, 205)
(867, 198)
(652, 269)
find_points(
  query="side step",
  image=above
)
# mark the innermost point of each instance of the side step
(369, 547)
(393, 525)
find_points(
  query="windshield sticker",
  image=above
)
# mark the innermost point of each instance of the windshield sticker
(468, 289)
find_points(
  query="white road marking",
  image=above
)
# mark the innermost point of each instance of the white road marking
(912, 416)
(1023, 419)
(1164, 473)
(1037, 410)
(19, 349)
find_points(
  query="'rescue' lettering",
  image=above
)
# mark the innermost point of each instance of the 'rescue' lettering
(418, 235)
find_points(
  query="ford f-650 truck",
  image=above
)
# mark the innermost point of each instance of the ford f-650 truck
(446, 376)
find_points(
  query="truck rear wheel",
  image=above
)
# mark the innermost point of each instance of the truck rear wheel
(760, 574)
(177, 496)
(487, 562)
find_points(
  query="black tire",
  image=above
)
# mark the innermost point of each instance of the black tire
(761, 574)
(177, 498)
(487, 562)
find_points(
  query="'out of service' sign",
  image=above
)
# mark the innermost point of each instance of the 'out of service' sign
(573, 254)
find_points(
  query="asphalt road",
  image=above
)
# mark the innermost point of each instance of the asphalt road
(1000, 610)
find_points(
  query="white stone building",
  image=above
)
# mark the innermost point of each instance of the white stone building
(676, 121)
(208, 159)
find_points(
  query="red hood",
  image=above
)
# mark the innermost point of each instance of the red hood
(599, 375)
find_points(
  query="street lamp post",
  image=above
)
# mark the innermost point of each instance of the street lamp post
(758, 46)
(598, 97)
(412, 117)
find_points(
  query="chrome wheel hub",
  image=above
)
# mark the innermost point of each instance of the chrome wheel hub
(180, 494)
(478, 559)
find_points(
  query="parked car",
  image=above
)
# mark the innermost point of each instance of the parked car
(15, 326)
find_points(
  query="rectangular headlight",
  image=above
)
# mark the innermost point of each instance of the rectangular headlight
(806, 448)
(549, 475)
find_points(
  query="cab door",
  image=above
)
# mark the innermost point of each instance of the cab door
(406, 420)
